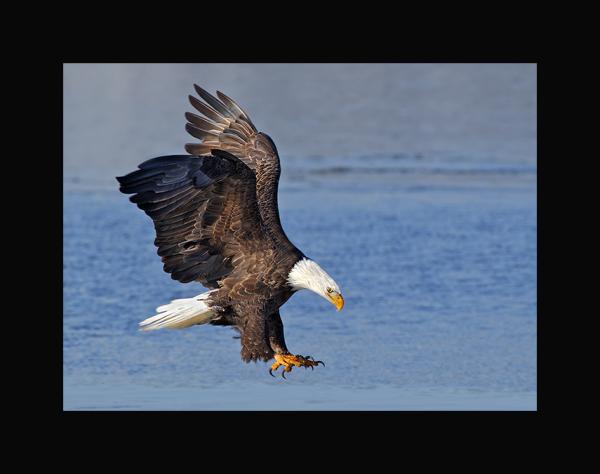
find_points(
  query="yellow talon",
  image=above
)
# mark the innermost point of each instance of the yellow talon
(288, 361)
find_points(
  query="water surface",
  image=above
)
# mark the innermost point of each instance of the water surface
(432, 239)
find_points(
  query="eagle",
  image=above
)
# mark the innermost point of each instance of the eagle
(217, 223)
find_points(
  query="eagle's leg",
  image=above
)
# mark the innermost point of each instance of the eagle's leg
(281, 354)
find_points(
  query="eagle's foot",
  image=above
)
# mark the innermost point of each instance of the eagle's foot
(288, 361)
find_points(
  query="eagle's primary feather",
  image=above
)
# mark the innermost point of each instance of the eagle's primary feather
(217, 222)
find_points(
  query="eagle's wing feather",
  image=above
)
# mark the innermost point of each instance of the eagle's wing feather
(204, 211)
(225, 126)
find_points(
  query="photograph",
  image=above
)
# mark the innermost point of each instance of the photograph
(299, 236)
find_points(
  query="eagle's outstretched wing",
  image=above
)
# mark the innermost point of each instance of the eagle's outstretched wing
(204, 210)
(225, 126)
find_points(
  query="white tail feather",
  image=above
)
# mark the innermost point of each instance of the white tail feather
(180, 314)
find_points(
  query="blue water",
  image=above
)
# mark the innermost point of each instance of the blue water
(435, 252)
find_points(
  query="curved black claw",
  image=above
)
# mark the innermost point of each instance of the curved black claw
(271, 372)
(283, 374)
(320, 362)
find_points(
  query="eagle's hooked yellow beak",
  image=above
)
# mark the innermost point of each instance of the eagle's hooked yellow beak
(337, 300)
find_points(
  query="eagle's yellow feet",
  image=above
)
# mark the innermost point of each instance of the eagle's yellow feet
(289, 361)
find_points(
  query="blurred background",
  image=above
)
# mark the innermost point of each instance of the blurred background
(413, 185)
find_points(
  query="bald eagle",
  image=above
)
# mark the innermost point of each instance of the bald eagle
(217, 223)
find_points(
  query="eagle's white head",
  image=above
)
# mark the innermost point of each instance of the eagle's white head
(307, 274)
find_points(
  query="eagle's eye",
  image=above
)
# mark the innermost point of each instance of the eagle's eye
(329, 290)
